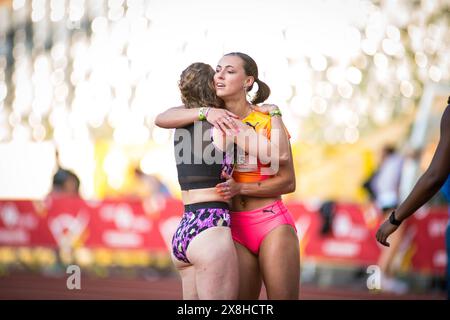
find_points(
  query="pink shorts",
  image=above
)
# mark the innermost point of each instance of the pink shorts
(249, 228)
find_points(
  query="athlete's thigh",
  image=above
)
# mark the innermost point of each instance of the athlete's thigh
(249, 275)
(279, 261)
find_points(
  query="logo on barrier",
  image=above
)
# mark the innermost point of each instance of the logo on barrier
(129, 227)
(67, 229)
(15, 226)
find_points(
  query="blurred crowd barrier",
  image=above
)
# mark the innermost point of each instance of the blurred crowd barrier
(125, 233)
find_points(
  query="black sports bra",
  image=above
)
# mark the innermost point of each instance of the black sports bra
(199, 162)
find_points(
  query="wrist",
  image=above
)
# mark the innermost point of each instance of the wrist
(276, 112)
(202, 113)
(393, 220)
(242, 188)
(207, 112)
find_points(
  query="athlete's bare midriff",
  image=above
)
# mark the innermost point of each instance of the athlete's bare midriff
(201, 195)
(248, 203)
(238, 203)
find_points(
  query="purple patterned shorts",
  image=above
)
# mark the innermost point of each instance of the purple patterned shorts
(196, 218)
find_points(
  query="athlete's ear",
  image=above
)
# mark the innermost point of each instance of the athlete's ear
(249, 81)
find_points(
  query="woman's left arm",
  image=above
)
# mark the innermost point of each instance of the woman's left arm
(278, 132)
(282, 182)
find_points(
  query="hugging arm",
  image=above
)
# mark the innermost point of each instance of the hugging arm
(178, 117)
(282, 182)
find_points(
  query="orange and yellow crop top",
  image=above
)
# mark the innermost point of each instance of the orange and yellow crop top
(252, 172)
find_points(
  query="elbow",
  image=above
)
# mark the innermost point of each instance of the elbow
(291, 186)
(283, 159)
(436, 180)
(159, 122)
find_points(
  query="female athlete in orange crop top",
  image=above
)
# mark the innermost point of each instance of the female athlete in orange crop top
(263, 229)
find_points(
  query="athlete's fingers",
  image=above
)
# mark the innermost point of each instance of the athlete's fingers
(379, 236)
(222, 190)
(221, 185)
(229, 124)
(231, 114)
(218, 127)
(222, 194)
(383, 240)
(221, 125)
(225, 127)
(227, 177)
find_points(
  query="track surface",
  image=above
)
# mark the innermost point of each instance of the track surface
(25, 286)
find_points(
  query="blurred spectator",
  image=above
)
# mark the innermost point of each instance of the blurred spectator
(65, 181)
(152, 191)
(153, 183)
(386, 182)
(367, 185)
(385, 186)
(410, 169)
(326, 211)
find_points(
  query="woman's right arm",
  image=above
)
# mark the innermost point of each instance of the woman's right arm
(178, 117)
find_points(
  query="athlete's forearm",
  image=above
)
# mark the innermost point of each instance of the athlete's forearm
(176, 117)
(273, 187)
(257, 145)
(283, 140)
(433, 179)
(282, 182)
(427, 186)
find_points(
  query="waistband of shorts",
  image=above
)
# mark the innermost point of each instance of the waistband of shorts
(278, 203)
(206, 205)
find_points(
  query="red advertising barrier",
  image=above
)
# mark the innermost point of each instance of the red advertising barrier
(22, 224)
(66, 221)
(350, 240)
(427, 240)
(126, 225)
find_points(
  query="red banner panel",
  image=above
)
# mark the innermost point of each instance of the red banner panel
(350, 239)
(24, 223)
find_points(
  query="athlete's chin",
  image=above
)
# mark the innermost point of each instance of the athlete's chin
(221, 93)
(224, 94)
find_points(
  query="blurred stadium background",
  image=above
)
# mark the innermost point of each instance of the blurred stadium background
(82, 81)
